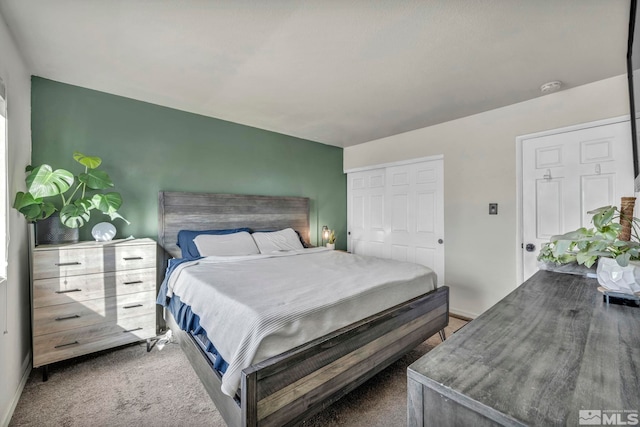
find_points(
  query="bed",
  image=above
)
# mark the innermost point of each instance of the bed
(289, 386)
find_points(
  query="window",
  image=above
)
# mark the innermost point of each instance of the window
(4, 200)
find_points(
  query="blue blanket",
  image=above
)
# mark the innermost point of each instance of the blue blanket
(186, 319)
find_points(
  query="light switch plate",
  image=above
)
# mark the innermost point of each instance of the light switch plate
(493, 209)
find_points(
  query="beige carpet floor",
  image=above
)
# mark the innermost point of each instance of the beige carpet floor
(130, 387)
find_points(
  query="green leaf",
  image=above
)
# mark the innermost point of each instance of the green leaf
(599, 210)
(572, 235)
(567, 258)
(597, 246)
(76, 214)
(116, 215)
(89, 162)
(38, 211)
(603, 218)
(107, 203)
(561, 247)
(597, 254)
(623, 259)
(24, 199)
(96, 180)
(43, 181)
(583, 257)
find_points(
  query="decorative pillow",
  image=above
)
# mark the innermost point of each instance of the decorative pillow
(189, 249)
(236, 244)
(274, 241)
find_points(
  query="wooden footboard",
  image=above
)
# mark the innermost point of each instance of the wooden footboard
(229, 408)
(290, 387)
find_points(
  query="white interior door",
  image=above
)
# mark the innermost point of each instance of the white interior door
(398, 212)
(565, 175)
(366, 213)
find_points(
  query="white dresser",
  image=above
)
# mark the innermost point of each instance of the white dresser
(91, 296)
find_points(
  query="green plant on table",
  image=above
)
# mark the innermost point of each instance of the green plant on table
(48, 192)
(586, 245)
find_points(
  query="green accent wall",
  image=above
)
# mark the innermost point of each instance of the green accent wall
(147, 148)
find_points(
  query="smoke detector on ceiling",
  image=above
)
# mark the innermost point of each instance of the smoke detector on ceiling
(550, 86)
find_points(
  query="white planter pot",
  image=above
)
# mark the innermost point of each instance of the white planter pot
(619, 279)
(331, 245)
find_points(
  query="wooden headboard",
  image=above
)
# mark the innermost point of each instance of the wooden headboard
(206, 211)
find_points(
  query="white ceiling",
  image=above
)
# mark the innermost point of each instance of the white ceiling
(340, 72)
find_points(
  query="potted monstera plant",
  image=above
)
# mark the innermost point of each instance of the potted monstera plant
(613, 243)
(59, 198)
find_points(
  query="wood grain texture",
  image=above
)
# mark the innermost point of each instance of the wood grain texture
(328, 383)
(303, 381)
(61, 290)
(229, 408)
(547, 350)
(203, 211)
(61, 317)
(63, 345)
(92, 257)
(319, 376)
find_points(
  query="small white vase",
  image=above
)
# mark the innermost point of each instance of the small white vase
(331, 245)
(619, 279)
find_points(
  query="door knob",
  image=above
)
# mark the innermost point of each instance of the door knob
(440, 241)
(530, 247)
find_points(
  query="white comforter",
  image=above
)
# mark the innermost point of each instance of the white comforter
(255, 307)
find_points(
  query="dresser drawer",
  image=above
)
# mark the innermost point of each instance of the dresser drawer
(76, 342)
(114, 310)
(76, 260)
(63, 290)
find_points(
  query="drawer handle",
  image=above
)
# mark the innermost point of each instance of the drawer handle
(135, 282)
(68, 290)
(132, 258)
(132, 306)
(67, 344)
(133, 330)
(73, 316)
(64, 264)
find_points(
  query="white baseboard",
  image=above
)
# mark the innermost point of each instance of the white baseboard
(462, 313)
(26, 371)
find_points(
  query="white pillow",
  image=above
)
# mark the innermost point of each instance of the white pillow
(226, 244)
(274, 241)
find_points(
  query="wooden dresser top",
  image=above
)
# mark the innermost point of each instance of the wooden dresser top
(549, 349)
(93, 244)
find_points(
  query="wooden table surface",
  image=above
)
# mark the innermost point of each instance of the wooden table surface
(549, 349)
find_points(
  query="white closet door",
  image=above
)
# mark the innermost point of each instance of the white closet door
(366, 209)
(398, 212)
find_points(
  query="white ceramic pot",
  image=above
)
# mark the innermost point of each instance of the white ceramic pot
(619, 279)
(331, 245)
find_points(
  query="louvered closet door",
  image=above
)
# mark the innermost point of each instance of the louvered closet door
(398, 212)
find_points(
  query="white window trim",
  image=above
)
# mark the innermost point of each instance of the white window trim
(4, 204)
